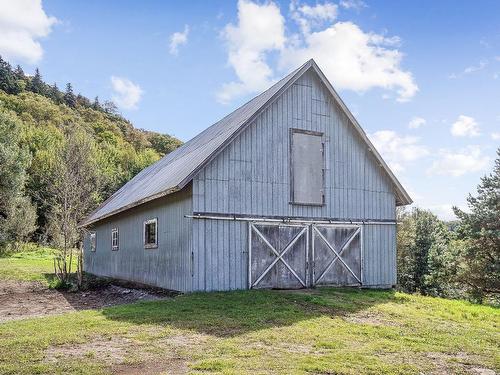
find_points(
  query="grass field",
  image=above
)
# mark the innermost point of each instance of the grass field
(324, 331)
(31, 264)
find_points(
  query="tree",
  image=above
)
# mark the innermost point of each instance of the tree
(55, 94)
(8, 82)
(83, 101)
(19, 72)
(69, 96)
(13, 163)
(481, 229)
(37, 85)
(96, 105)
(420, 235)
(164, 144)
(75, 181)
(22, 222)
(110, 107)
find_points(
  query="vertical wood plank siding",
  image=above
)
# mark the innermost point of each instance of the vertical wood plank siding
(252, 177)
(168, 266)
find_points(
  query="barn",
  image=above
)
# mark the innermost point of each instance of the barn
(287, 191)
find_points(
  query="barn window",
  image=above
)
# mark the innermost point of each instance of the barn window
(151, 233)
(306, 167)
(114, 239)
(93, 241)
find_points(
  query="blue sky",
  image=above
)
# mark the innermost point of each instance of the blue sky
(422, 78)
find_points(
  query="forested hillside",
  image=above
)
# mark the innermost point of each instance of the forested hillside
(61, 155)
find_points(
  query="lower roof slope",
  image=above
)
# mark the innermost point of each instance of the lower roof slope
(175, 170)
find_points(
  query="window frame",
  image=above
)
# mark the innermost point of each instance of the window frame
(93, 241)
(147, 222)
(323, 167)
(117, 246)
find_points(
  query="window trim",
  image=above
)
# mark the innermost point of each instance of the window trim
(290, 153)
(151, 245)
(113, 231)
(93, 241)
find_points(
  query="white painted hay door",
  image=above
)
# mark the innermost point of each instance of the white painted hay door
(337, 255)
(278, 255)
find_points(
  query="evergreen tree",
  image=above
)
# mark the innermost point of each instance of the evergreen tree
(96, 105)
(55, 94)
(19, 72)
(481, 229)
(69, 96)
(21, 79)
(37, 85)
(8, 82)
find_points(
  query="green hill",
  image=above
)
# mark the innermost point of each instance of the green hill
(37, 121)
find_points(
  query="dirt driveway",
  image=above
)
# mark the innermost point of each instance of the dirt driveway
(24, 299)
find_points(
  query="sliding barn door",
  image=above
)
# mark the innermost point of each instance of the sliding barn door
(336, 252)
(278, 255)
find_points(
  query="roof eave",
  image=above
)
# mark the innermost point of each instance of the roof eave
(86, 223)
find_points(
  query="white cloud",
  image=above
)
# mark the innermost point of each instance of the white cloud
(495, 136)
(260, 29)
(459, 163)
(470, 69)
(465, 126)
(397, 150)
(178, 39)
(416, 122)
(308, 16)
(351, 58)
(127, 94)
(22, 23)
(352, 4)
(476, 68)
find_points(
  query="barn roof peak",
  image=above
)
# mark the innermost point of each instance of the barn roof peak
(177, 169)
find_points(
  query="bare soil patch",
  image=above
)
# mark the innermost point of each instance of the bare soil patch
(124, 355)
(24, 299)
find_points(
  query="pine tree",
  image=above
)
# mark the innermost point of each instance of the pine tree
(481, 228)
(19, 72)
(37, 85)
(7, 78)
(69, 96)
(55, 94)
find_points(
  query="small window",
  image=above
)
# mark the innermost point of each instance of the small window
(93, 241)
(151, 233)
(114, 239)
(306, 167)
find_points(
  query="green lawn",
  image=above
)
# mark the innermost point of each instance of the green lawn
(32, 264)
(325, 331)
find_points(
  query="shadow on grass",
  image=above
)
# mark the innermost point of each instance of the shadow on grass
(227, 314)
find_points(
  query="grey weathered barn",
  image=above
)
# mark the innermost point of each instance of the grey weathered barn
(286, 192)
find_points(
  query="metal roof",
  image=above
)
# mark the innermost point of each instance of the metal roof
(175, 170)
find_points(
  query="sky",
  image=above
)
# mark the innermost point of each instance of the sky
(422, 78)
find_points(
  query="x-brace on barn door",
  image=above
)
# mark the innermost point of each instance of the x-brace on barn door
(336, 252)
(278, 255)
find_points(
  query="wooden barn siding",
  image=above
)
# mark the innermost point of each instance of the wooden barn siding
(168, 266)
(251, 176)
